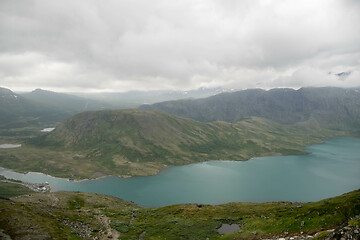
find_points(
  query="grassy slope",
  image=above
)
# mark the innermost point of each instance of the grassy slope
(28, 215)
(135, 142)
(8, 189)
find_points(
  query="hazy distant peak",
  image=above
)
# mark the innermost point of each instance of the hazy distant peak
(7, 93)
(341, 75)
(42, 91)
(5, 90)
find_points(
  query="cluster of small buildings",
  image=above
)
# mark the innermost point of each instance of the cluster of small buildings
(39, 187)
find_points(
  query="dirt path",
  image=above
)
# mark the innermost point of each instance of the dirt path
(142, 235)
(132, 218)
(105, 222)
(53, 200)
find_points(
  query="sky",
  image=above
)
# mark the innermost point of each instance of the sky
(122, 45)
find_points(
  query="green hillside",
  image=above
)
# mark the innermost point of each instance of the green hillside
(69, 215)
(140, 143)
(335, 108)
(12, 189)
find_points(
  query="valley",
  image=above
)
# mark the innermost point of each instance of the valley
(142, 142)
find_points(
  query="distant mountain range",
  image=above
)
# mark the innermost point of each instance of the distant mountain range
(134, 99)
(64, 102)
(335, 108)
(17, 111)
(41, 106)
(331, 107)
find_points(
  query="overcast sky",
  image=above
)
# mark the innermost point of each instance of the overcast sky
(120, 45)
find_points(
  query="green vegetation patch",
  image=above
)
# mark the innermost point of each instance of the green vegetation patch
(355, 222)
(8, 189)
(76, 202)
(120, 226)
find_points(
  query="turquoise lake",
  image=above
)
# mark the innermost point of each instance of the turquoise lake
(331, 169)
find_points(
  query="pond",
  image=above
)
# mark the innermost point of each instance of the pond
(9, 145)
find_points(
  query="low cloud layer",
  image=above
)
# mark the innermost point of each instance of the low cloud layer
(92, 45)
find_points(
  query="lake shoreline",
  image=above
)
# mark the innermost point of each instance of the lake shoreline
(124, 176)
(294, 178)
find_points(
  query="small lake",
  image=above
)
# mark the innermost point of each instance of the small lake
(9, 145)
(47, 130)
(332, 168)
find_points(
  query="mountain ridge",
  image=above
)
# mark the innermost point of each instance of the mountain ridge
(331, 107)
(63, 101)
(17, 111)
(40, 107)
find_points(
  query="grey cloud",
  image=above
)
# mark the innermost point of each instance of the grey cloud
(127, 44)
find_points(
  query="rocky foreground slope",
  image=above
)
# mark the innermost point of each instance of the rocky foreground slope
(71, 215)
